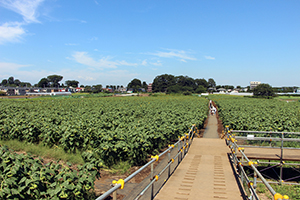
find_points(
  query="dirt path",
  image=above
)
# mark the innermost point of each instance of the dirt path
(211, 130)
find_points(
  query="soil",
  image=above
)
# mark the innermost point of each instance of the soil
(105, 182)
(220, 125)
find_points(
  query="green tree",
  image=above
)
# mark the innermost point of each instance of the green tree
(88, 88)
(185, 81)
(162, 82)
(44, 82)
(71, 83)
(202, 82)
(173, 89)
(4, 82)
(54, 80)
(11, 80)
(263, 90)
(25, 84)
(211, 83)
(17, 82)
(97, 88)
(201, 89)
(135, 84)
(145, 85)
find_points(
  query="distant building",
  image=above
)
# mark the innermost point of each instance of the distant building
(253, 84)
(149, 89)
(8, 90)
(141, 90)
(221, 90)
(130, 90)
(121, 89)
(107, 89)
(20, 91)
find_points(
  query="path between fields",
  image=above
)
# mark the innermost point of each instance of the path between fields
(211, 130)
(132, 189)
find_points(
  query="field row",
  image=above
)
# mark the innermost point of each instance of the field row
(258, 114)
(114, 128)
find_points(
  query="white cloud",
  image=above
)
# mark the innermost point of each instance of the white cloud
(144, 62)
(105, 62)
(11, 32)
(9, 67)
(209, 57)
(158, 63)
(173, 53)
(26, 8)
(18, 71)
(84, 76)
(110, 77)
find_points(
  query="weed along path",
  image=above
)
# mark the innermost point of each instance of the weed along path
(205, 172)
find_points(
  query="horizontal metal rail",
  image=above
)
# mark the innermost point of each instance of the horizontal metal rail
(269, 147)
(238, 131)
(274, 163)
(231, 142)
(183, 146)
(268, 139)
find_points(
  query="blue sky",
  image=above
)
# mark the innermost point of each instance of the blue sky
(112, 42)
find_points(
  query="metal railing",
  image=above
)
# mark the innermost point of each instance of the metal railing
(182, 144)
(270, 139)
(249, 186)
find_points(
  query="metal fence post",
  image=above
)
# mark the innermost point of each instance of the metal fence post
(169, 159)
(254, 181)
(184, 144)
(281, 157)
(178, 152)
(152, 187)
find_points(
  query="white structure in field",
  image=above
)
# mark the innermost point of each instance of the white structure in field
(253, 84)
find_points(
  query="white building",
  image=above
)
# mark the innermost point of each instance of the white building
(253, 84)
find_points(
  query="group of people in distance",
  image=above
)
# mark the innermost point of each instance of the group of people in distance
(212, 109)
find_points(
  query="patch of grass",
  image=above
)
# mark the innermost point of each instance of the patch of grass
(54, 153)
(121, 168)
(293, 191)
(261, 188)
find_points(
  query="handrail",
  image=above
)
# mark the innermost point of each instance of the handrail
(238, 131)
(231, 142)
(182, 148)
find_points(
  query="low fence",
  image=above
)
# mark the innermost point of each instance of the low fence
(281, 137)
(182, 144)
(248, 184)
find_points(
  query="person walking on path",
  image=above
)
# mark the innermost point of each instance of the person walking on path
(213, 110)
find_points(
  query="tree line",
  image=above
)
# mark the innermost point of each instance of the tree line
(176, 84)
(166, 83)
(49, 81)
